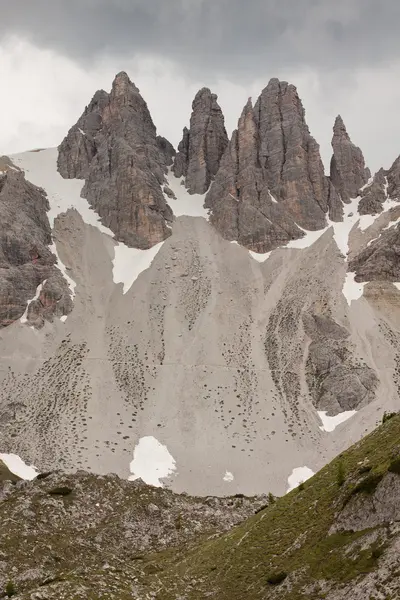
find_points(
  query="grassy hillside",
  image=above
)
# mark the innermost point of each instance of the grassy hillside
(286, 551)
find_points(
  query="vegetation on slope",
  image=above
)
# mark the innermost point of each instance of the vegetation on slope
(289, 550)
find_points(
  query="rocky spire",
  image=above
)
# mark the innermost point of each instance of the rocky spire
(202, 146)
(348, 171)
(271, 177)
(114, 147)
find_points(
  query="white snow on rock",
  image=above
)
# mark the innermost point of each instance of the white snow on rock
(151, 461)
(41, 169)
(228, 476)
(260, 257)
(24, 318)
(308, 240)
(190, 205)
(299, 475)
(63, 269)
(17, 466)
(396, 284)
(128, 263)
(330, 423)
(63, 318)
(352, 290)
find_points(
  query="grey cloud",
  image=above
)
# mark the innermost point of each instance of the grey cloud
(223, 36)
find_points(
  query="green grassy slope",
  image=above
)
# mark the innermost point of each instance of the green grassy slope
(290, 538)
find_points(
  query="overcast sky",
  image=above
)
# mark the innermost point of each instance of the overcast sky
(343, 56)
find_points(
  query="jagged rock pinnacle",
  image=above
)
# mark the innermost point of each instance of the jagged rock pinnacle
(203, 144)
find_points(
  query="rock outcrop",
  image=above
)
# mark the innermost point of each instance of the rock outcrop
(336, 384)
(27, 265)
(348, 171)
(271, 182)
(114, 147)
(380, 260)
(374, 195)
(393, 180)
(202, 146)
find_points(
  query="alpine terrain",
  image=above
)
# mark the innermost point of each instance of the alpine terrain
(218, 319)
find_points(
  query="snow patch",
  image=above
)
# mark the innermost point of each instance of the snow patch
(24, 318)
(352, 290)
(228, 476)
(396, 284)
(128, 263)
(190, 205)
(80, 131)
(63, 269)
(330, 423)
(260, 257)
(151, 461)
(17, 466)
(308, 240)
(63, 318)
(299, 475)
(272, 197)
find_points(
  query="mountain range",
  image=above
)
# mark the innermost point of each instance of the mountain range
(219, 319)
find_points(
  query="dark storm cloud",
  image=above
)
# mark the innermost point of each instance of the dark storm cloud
(218, 35)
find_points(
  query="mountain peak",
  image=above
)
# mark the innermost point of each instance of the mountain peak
(348, 170)
(123, 85)
(203, 144)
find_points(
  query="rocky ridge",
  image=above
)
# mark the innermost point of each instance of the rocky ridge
(271, 183)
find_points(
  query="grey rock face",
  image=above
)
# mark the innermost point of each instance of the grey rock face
(380, 261)
(167, 149)
(25, 258)
(364, 511)
(393, 178)
(115, 148)
(201, 148)
(335, 383)
(271, 179)
(374, 195)
(182, 157)
(348, 171)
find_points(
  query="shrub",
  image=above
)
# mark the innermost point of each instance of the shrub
(277, 577)
(300, 487)
(271, 498)
(368, 485)
(387, 416)
(340, 474)
(10, 589)
(377, 552)
(394, 466)
(61, 491)
(263, 507)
